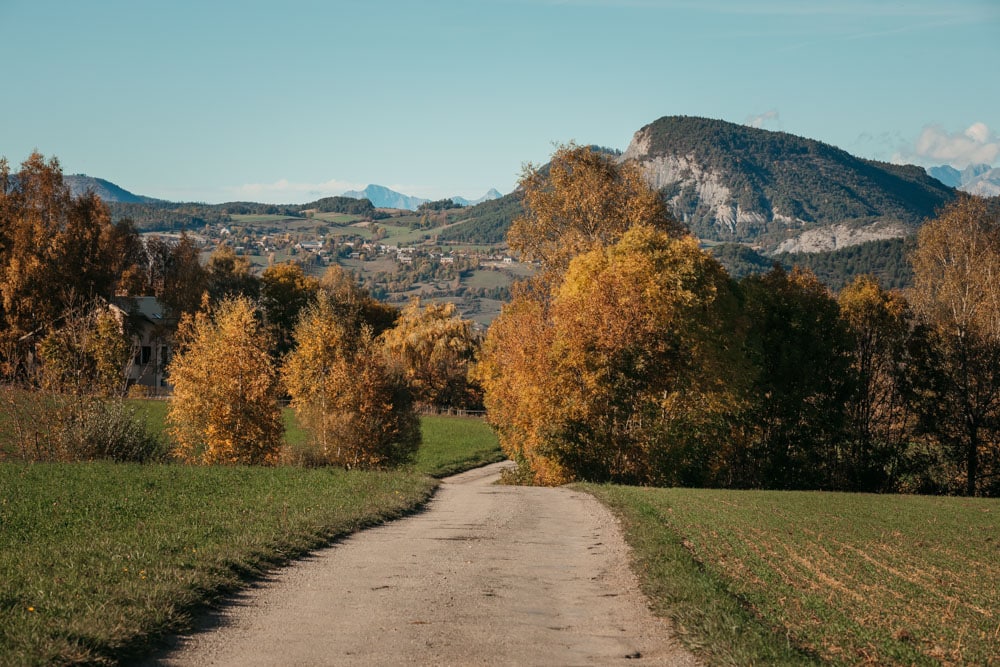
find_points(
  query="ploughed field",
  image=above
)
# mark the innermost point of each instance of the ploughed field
(772, 577)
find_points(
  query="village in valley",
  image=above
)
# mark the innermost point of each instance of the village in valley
(397, 257)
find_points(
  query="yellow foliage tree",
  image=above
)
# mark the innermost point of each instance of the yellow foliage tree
(56, 252)
(628, 371)
(224, 408)
(584, 198)
(520, 389)
(878, 411)
(956, 293)
(354, 305)
(359, 413)
(87, 354)
(433, 348)
(285, 290)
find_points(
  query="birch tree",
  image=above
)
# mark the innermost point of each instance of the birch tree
(224, 408)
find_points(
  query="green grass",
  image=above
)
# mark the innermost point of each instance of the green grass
(450, 444)
(338, 218)
(454, 444)
(98, 559)
(251, 219)
(752, 577)
(487, 279)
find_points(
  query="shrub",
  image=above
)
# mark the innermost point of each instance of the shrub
(358, 412)
(39, 426)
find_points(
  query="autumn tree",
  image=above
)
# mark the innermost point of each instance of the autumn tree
(878, 409)
(230, 275)
(520, 389)
(956, 293)
(224, 408)
(626, 373)
(433, 349)
(285, 290)
(354, 304)
(176, 275)
(583, 198)
(56, 250)
(86, 353)
(357, 410)
(645, 348)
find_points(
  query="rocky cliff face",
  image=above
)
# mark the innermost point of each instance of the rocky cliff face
(778, 192)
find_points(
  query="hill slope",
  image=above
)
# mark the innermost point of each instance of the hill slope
(106, 190)
(778, 191)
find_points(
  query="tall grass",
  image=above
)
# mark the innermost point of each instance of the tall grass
(753, 577)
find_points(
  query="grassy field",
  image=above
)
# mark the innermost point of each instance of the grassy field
(753, 577)
(488, 279)
(450, 444)
(454, 444)
(98, 559)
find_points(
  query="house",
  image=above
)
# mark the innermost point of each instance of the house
(146, 319)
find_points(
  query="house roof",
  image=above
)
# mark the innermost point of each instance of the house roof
(148, 307)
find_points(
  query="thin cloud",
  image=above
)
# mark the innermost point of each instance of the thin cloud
(977, 144)
(768, 118)
(285, 191)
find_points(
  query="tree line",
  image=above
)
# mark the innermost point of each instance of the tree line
(355, 370)
(634, 357)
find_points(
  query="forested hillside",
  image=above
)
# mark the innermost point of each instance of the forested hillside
(883, 259)
(731, 182)
(486, 223)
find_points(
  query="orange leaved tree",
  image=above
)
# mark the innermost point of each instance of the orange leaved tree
(432, 347)
(357, 410)
(224, 408)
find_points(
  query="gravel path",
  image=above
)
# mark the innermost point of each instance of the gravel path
(490, 575)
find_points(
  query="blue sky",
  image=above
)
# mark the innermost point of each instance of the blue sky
(287, 101)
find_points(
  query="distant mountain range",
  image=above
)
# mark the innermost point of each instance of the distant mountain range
(772, 191)
(977, 179)
(383, 197)
(378, 195)
(489, 196)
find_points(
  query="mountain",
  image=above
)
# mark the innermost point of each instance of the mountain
(106, 190)
(489, 196)
(486, 223)
(779, 192)
(946, 174)
(977, 179)
(383, 197)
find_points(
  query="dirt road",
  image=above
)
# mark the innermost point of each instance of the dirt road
(491, 575)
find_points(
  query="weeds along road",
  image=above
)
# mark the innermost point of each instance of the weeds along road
(486, 575)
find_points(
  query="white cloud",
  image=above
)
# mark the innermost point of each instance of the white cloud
(770, 117)
(977, 144)
(284, 191)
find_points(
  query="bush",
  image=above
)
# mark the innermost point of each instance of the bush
(39, 426)
(358, 411)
